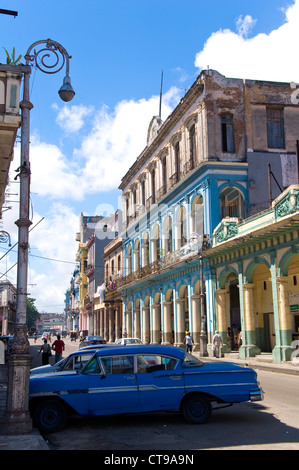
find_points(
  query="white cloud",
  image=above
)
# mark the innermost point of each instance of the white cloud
(52, 174)
(116, 140)
(72, 118)
(245, 25)
(264, 56)
(52, 256)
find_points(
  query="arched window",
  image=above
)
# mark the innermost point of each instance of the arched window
(197, 215)
(167, 236)
(155, 244)
(231, 203)
(181, 224)
(145, 250)
(129, 261)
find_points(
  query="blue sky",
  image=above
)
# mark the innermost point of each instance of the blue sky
(81, 150)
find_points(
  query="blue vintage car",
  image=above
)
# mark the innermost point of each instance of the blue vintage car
(140, 378)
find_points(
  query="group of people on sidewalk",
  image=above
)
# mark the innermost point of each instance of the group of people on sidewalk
(46, 350)
(236, 338)
(217, 343)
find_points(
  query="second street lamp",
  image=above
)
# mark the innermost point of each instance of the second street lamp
(17, 419)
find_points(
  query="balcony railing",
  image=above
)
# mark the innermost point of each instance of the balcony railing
(187, 251)
(89, 270)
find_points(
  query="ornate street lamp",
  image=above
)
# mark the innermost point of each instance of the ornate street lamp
(4, 237)
(17, 418)
(201, 243)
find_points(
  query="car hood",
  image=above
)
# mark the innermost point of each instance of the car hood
(226, 367)
(42, 369)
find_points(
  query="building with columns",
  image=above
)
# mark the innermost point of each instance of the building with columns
(212, 158)
(254, 265)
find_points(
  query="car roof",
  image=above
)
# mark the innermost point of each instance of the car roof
(82, 351)
(149, 349)
(101, 346)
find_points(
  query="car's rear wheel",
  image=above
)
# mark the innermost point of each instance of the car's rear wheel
(197, 409)
(50, 416)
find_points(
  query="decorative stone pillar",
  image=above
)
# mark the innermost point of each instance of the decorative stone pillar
(285, 321)
(156, 330)
(146, 325)
(136, 322)
(111, 324)
(221, 318)
(180, 326)
(117, 322)
(129, 323)
(167, 330)
(102, 313)
(106, 323)
(249, 347)
(196, 321)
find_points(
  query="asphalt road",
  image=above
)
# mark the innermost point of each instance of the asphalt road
(272, 424)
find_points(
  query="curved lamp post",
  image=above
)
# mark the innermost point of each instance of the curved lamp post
(49, 58)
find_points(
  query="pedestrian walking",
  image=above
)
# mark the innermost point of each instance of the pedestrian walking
(188, 342)
(217, 342)
(58, 346)
(46, 352)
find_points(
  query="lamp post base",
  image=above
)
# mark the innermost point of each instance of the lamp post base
(17, 417)
(203, 351)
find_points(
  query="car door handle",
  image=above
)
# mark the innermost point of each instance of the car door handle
(130, 377)
(172, 377)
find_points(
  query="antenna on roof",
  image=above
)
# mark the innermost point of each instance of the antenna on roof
(160, 105)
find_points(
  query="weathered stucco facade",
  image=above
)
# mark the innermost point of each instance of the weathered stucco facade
(227, 150)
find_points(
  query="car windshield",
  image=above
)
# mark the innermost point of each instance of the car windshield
(191, 361)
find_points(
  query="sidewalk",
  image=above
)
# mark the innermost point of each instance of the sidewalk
(31, 441)
(34, 441)
(263, 362)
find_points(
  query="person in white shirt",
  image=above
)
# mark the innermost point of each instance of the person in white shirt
(217, 343)
(188, 342)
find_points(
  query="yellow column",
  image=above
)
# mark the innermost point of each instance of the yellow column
(285, 319)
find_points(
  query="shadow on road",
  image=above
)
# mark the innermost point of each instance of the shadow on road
(243, 424)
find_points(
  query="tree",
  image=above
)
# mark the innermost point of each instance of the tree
(32, 313)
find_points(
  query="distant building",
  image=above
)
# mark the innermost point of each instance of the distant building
(95, 233)
(8, 304)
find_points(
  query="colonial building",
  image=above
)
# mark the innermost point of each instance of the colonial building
(212, 158)
(254, 265)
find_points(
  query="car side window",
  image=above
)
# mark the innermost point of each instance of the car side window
(69, 365)
(148, 363)
(81, 361)
(118, 364)
(92, 367)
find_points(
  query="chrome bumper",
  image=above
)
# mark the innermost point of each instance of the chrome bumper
(257, 395)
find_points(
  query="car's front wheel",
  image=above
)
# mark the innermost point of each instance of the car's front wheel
(49, 416)
(197, 409)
